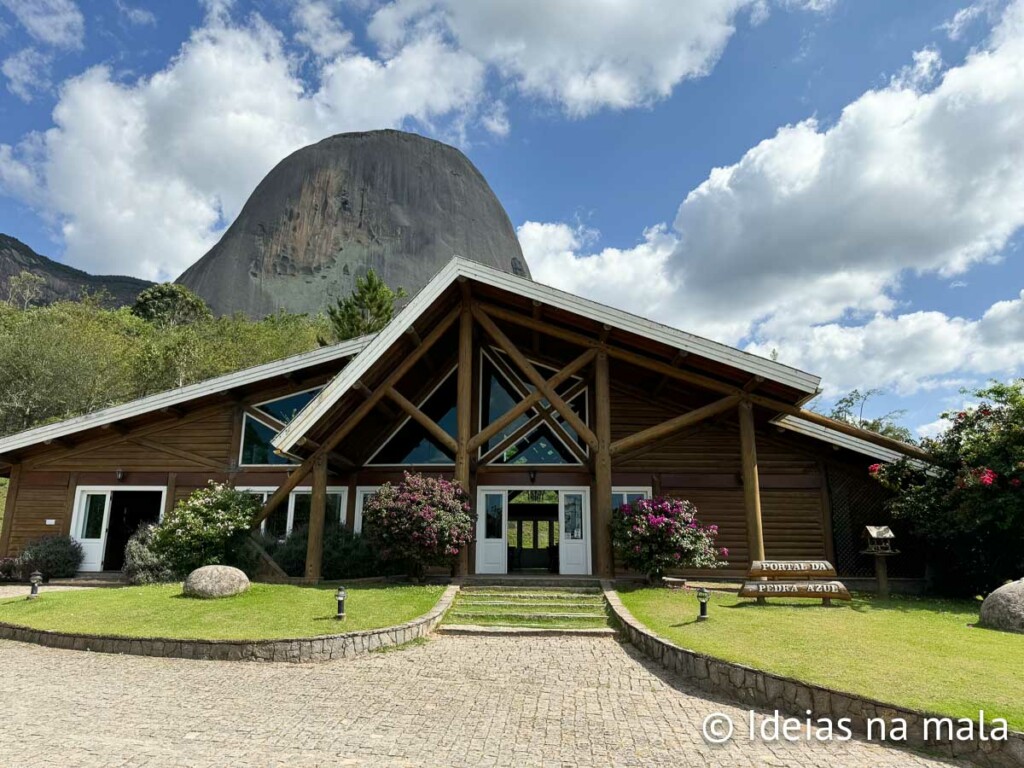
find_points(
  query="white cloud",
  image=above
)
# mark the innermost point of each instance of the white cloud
(139, 17)
(802, 244)
(141, 176)
(27, 72)
(319, 30)
(55, 22)
(965, 17)
(582, 55)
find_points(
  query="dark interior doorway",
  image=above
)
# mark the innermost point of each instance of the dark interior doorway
(128, 510)
(533, 531)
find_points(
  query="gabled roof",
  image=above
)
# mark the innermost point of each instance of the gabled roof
(836, 438)
(181, 395)
(617, 319)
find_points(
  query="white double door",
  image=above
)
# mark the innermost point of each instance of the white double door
(573, 529)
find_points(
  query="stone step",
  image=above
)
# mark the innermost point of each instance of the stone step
(503, 608)
(532, 589)
(497, 629)
(555, 582)
(514, 595)
(524, 616)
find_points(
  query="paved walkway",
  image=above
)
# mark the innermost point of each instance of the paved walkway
(453, 701)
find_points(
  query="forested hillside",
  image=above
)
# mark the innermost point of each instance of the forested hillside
(72, 357)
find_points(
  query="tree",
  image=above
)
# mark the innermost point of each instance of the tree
(968, 505)
(24, 288)
(850, 408)
(170, 304)
(370, 307)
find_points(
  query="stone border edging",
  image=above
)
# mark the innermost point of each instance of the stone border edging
(298, 650)
(760, 689)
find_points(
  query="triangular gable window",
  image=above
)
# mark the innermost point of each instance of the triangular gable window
(257, 434)
(540, 445)
(411, 444)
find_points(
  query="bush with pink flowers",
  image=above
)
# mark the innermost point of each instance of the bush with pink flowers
(421, 521)
(968, 504)
(653, 536)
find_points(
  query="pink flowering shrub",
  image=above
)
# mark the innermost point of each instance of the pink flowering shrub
(422, 521)
(653, 535)
(968, 504)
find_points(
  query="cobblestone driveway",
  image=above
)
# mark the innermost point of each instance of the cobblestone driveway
(454, 701)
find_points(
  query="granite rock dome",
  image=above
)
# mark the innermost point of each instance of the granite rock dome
(390, 201)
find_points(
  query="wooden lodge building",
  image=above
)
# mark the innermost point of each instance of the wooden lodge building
(551, 409)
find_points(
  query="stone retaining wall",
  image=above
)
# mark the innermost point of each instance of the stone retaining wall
(763, 690)
(307, 649)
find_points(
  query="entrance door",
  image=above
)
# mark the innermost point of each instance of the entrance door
(491, 532)
(128, 511)
(88, 527)
(574, 533)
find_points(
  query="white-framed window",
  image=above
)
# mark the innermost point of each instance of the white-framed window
(255, 449)
(363, 492)
(624, 495)
(287, 517)
(501, 387)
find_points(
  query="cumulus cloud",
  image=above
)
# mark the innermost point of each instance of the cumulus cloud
(27, 72)
(143, 176)
(319, 30)
(54, 22)
(579, 54)
(139, 17)
(801, 245)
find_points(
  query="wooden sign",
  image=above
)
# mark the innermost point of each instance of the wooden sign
(812, 589)
(788, 569)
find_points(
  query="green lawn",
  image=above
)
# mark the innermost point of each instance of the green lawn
(265, 612)
(914, 652)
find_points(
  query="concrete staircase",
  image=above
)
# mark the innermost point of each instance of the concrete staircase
(528, 609)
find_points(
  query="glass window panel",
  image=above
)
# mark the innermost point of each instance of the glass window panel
(618, 499)
(92, 519)
(573, 515)
(277, 522)
(493, 515)
(412, 444)
(632, 498)
(256, 447)
(335, 511)
(498, 398)
(285, 408)
(302, 502)
(540, 446)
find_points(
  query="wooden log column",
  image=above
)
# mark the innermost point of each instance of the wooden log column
(601, 494)
(751, 484)
(464, 414)
(317, 514)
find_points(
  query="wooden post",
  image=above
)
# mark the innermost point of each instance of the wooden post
(751, 485)
(602, 486)
(464, 414)
(317, 513)
(12, 499)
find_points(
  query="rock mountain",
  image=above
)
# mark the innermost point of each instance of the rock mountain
(394, 202)
(62, 281)
(390, 201)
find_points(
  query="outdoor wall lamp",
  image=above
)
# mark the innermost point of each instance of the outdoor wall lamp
(533, 476)
(702, 597)
(340, 597)
(35, 580)
(119, 474)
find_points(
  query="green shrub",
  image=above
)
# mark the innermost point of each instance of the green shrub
(210, 527)
(142, 565)
(653, 536)
(421, 521)
(56, 557)
(10, 569)
(346, 555)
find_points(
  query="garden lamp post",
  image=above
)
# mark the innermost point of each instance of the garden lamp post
(35, 580)
(340, 596)
(703, 596)
(880, 545)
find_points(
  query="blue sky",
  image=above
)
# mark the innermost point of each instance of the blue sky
(863, 221)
